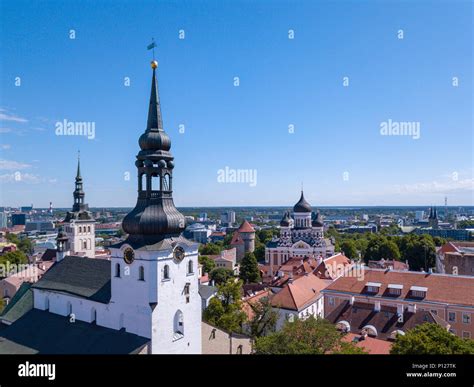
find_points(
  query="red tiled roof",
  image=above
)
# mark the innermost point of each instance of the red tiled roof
(334, 262)
(452, 247)
(371, 345)
(441, 287)
(249, 301)
(299, 293)
(204, 279)
(246, 227)
(236, 239)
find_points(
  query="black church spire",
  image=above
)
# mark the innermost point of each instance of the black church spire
(79, 193)
(155, 215)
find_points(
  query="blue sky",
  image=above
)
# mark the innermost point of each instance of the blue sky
(282, 82)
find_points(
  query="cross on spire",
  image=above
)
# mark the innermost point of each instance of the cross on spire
(152, 46)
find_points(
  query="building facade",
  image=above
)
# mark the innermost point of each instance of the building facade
(300, 236)
(79, 223)
(448, 299)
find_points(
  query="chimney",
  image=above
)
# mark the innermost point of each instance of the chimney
(377, 306)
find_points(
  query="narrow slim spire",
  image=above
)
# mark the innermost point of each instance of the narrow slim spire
(78, 174)
(155, 121)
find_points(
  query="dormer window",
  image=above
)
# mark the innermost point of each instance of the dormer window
(395, 289)
(418, 291)
(373, 287)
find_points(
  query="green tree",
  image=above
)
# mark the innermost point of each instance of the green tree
(264, 236)
(25, 246)
(12, 238)
(389, 250)
(362, 243)
(249, 271)
(259, 251)
(372, 253)
(227, 240)
(17, 257)
(379, 246)
(210, 249)
(419, 251)
(349, 248)
(220, 275)
(431, 339)
(438, 241)
(264, 318)
(225, 309)
(311, 336)
(207, 263)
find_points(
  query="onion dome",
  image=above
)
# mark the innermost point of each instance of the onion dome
(317, 221)
(302, 205)
(285, 222)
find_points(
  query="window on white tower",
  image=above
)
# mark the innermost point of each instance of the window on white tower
(190, 267)
(141, 273)
(117, 270)
(178, 323)
(166, 272)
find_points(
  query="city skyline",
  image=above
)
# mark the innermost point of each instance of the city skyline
(291, 76)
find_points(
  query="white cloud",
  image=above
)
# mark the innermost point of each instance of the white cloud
(5, 146)
(5, 130)
(449, 185)
(7, 116)
(12, 165)
(19, 177)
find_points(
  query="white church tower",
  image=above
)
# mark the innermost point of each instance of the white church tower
(155, 270)
(79, 224)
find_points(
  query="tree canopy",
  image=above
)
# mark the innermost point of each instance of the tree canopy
(264, 318)
(211, 249)
(220, 275)
(225, 309)
(207, 263)
(431, 339)
(23, 244)
(249, 271)
(17, 257)
(311, 337)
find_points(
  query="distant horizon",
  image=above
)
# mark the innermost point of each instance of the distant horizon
(265, 206)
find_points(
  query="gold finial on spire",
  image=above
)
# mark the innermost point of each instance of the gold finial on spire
(151, 46)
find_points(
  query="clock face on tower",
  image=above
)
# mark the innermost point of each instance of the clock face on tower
(128, 255)
(178, 254)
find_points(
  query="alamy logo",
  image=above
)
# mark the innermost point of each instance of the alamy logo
(75, 128)
(37, 370)
(230, 175)
(400, 128)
